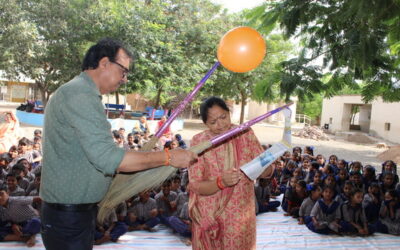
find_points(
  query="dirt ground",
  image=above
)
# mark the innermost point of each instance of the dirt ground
(268, 134)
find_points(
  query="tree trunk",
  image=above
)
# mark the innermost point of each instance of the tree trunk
(45, 96)
(116, 98)
(157, 104)
(243, 102)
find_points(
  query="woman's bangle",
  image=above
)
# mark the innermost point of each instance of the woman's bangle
(167, 157)
(219, 183)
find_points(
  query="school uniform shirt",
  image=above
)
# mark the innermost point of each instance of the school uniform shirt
(79, 153)
(353, 214)
(23, 183)
(262, 193)
(17, 192)
(162, 205)
(309, 176)
(184, 214)
(3, 174)
(18, 210)
(142, 210)
(30, 176)
(393, 225)
(306, 207)
(35, 205)
(325, 218)
(182, 198)
(341, 198)
(368, 199)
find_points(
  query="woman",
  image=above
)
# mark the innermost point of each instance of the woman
(221, 203)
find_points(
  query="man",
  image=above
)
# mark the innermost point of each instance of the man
(79, 154)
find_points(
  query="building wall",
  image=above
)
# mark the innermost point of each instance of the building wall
(18, 92)
(254, 109)
(336, 112)
(365, 117)
(383, 113)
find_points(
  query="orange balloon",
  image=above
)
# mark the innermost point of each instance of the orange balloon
(241, 49)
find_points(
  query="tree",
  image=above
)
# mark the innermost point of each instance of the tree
(175, 42)
(43, 41)
(357, 41)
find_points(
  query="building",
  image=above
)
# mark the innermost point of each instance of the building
(350, 113)
(254, 109)
(18, 91)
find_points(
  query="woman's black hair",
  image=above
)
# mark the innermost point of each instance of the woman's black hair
(209, 103)
(106, 47)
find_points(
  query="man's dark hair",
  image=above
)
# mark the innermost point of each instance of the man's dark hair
(106, 47)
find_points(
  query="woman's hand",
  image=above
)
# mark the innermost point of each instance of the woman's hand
(231, 177)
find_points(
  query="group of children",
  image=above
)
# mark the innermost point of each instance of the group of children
(333, 196)
(19, 191)
(167, 205)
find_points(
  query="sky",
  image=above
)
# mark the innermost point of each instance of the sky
(238, 5)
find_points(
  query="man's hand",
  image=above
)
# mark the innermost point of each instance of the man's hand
(181, 158)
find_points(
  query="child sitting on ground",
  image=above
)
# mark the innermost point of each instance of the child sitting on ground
(389, 221)
(110, 230)
(182, 223)
(22, 217)
(388, 182)
(345, 194)
(295, 198)
(308, 204)
(143, 213)
(263, 195)
(12, 187)
(325, 214)
(354, 221)
(164, 199)
(341, 178)
(372, 202)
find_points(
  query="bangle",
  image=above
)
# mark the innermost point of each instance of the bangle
(168, 157)
(219, 183)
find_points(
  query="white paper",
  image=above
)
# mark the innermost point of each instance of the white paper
(258, 165)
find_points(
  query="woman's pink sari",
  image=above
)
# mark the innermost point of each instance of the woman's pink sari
(226, 219)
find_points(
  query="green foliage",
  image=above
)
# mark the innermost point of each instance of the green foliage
(357, 40)
(42, 40)
(311, 106)
(174, 43)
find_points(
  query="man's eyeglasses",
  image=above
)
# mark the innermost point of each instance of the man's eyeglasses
(125, 71)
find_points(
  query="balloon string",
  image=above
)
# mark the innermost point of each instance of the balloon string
(187, 99)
